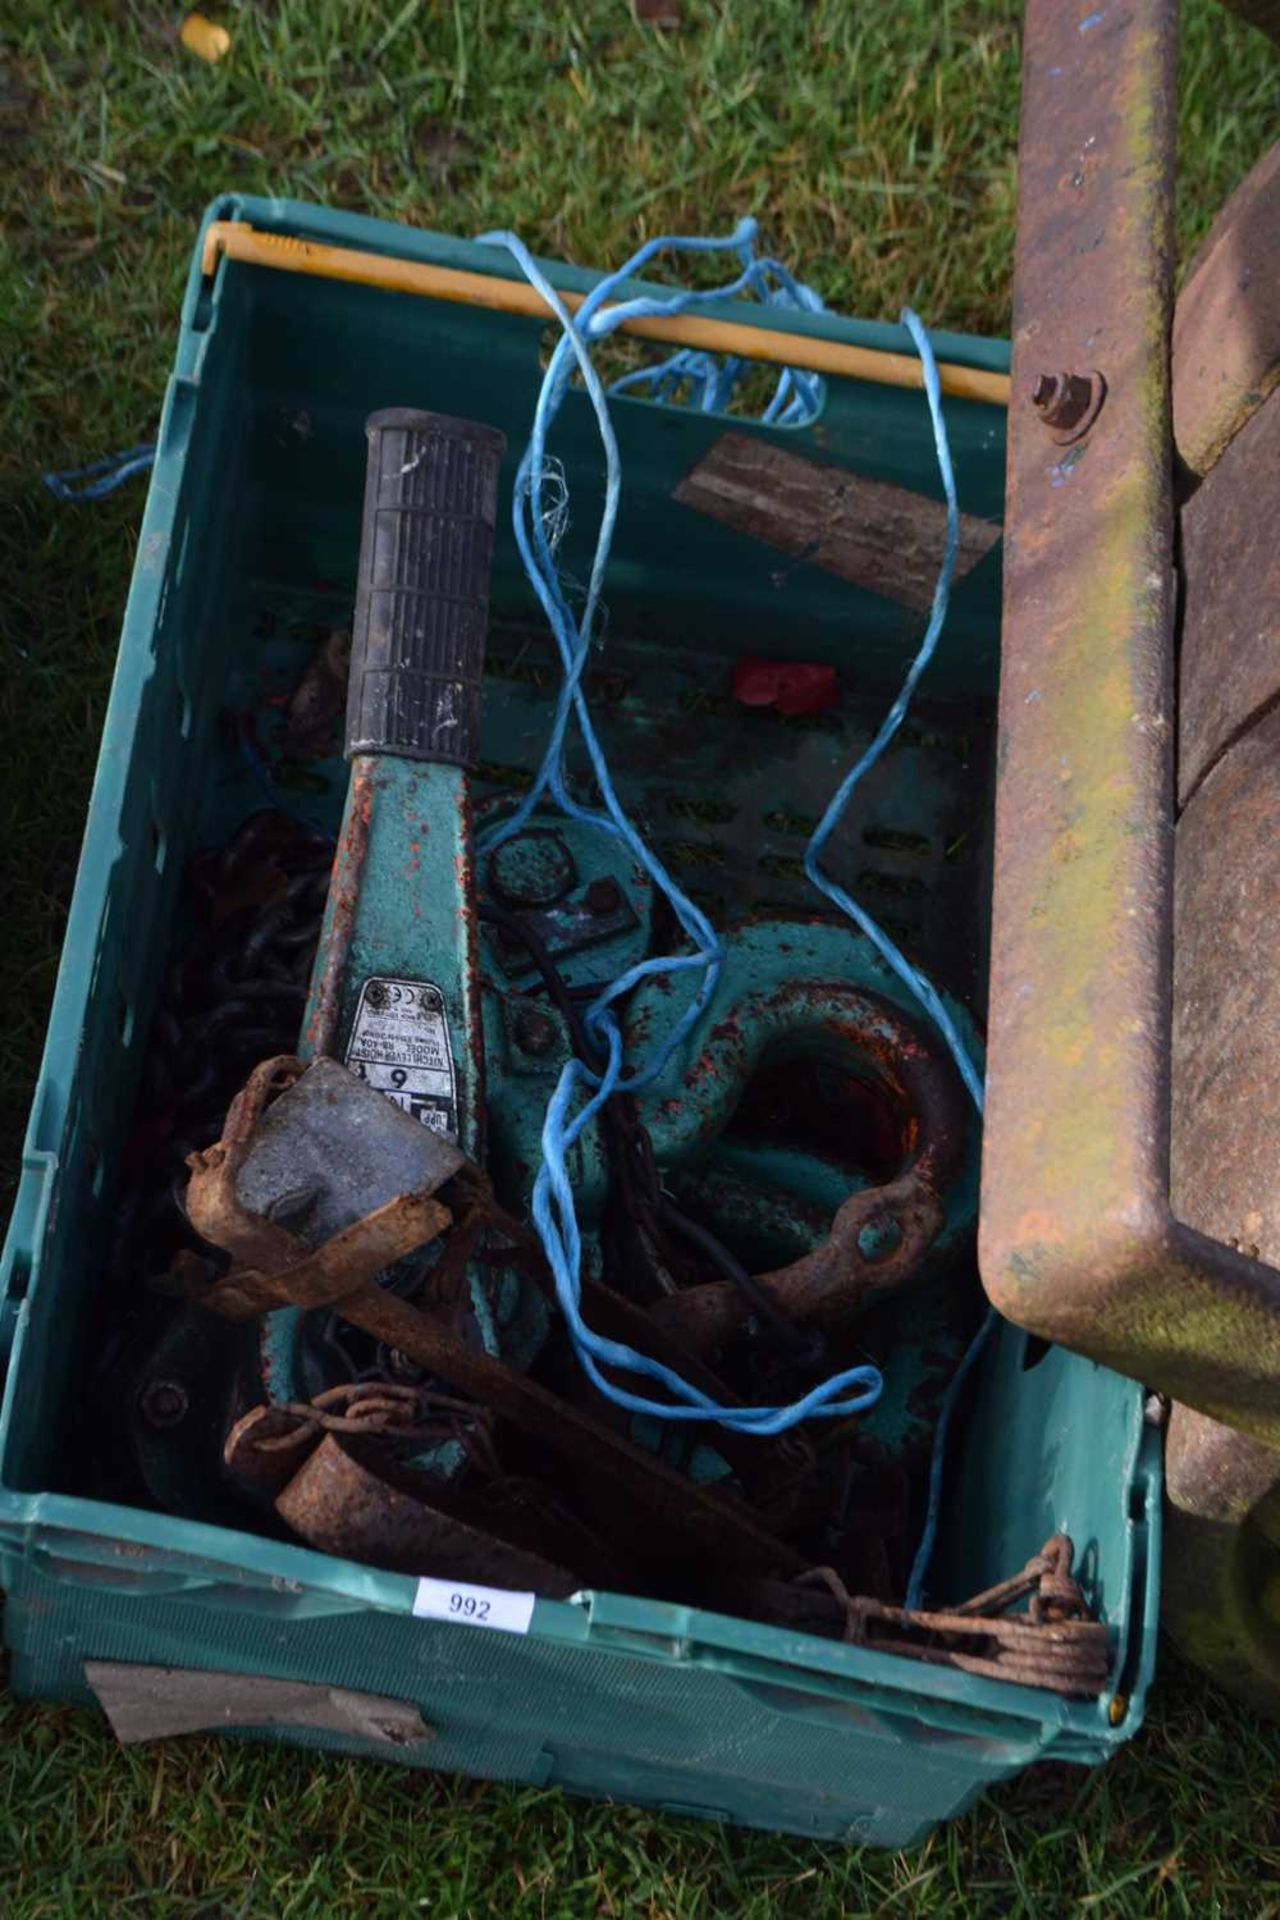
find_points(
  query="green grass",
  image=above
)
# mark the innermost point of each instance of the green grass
(876, 144)
(1184, 1823)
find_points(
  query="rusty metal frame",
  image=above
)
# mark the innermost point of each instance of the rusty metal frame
(1078, 1239)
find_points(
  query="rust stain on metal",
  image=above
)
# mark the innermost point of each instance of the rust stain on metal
(321, 1034)
(265, 1448)
(915, 1075)
(274, 1266)
(267, 1445)
(881, 537)
(1230, 655)
(1226, 330)
(339, 1505)
(1084, 727)
(211, 1202)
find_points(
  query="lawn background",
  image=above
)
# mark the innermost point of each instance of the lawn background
(876, 143)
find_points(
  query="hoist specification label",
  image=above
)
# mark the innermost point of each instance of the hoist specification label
(400, 1045)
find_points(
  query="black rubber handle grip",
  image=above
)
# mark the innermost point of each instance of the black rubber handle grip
(422, 596)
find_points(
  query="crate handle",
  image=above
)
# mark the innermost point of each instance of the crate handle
(238, 240)
(224, 1588)
(22, 1243)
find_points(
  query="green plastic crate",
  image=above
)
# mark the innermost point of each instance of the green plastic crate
(254, 504)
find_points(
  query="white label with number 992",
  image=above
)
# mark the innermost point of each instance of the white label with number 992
(496, 1607)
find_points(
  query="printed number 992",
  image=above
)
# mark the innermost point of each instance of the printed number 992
(468, 1606)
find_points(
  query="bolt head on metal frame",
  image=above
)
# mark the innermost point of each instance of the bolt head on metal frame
(1068, 403)
(535, 1031)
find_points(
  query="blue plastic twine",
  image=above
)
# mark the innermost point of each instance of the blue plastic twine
(946, 1413)
(923, 989)
(919, 985)
(114, 469)
(539, 511)
(708, 382)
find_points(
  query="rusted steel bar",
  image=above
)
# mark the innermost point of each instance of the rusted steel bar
(603, 1459)
(341, 1506)
(1077, 1239)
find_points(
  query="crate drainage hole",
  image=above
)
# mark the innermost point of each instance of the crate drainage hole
(896, 840)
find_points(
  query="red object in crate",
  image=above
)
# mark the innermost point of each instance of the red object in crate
(791, 686)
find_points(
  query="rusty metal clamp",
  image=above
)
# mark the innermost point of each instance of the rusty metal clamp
(275, 1267)
(340, 1274)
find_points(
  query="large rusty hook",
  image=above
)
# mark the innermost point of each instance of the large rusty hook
(879, 1236)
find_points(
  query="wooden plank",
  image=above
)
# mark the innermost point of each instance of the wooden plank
(878, 536)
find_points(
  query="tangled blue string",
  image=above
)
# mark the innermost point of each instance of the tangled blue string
(114, 469)
(707, 382)
(911, 977)
(538, 517)
(917, 983)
